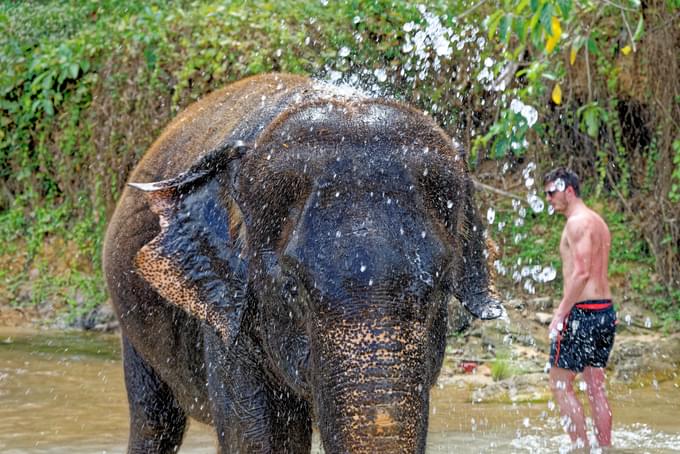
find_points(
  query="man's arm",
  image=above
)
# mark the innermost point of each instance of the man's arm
(580, 248)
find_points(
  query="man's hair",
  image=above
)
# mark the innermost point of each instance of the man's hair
(567, 175)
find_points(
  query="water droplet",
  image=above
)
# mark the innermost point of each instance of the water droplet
(490, 215)
(344, 52)
(547, 274)
(363, 268)
(536, 203)
(380, 74)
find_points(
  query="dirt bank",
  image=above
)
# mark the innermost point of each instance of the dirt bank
(502, 360)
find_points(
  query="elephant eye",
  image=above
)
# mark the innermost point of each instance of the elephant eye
(289, 289)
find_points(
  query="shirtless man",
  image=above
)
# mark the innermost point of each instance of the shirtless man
(582, 328)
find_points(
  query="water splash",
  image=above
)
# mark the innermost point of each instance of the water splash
(490, 215)
(529, 113)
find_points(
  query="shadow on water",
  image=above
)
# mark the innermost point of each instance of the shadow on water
(64, 393)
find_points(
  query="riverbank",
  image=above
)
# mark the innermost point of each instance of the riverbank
(500, 361)
(505, 360)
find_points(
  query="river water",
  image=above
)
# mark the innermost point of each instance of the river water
(63, 392)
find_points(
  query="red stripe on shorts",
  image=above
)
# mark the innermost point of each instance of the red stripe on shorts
(559, 340)
(594, 306)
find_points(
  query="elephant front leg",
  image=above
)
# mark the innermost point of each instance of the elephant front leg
(251, 412)
(157, 422)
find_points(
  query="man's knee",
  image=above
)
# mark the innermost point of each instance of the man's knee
(595, 379)
(560, 380)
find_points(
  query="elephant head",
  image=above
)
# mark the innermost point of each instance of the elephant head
(345, 227)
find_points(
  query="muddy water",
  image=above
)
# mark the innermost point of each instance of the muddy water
(64, 393)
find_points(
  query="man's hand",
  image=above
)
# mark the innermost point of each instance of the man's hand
(557, 324)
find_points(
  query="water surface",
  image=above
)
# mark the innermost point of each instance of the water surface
(63, 392)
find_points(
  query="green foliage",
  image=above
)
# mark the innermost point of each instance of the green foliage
(85, 86)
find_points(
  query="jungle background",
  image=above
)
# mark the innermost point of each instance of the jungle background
(523, 85)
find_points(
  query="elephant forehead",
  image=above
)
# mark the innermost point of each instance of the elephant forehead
(362, 121)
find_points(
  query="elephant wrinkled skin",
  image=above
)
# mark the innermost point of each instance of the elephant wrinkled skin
(283, 256)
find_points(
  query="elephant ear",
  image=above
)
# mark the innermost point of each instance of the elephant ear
(196, 261)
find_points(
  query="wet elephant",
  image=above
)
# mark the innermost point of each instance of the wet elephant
(283, 257)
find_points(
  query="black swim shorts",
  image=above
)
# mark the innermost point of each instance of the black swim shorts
(588, 336)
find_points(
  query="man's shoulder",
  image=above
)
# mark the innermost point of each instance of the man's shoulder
(580, 223)
(585, 221)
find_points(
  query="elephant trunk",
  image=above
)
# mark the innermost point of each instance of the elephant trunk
(372, 392)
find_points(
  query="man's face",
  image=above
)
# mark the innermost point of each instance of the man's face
(555, 194)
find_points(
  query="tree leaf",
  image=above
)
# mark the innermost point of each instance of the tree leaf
(639, 30)
(546, 18)
(492, 23)
(504, 28)
(520, 6)
(555, 33)
(555, 27)
(592, 120)
(565, 8)
(73, 70)
(48, 107)
(500, 147)
(557, 94)
(572, 55)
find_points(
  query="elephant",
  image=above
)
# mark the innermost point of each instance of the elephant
(281, 259)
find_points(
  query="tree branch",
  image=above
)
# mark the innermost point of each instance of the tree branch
(474, 7)
(621, 7)
(590, 87)
(488, 188)
(630, 33)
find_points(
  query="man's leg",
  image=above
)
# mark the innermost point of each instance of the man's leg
(561, 384)
(599, 405)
